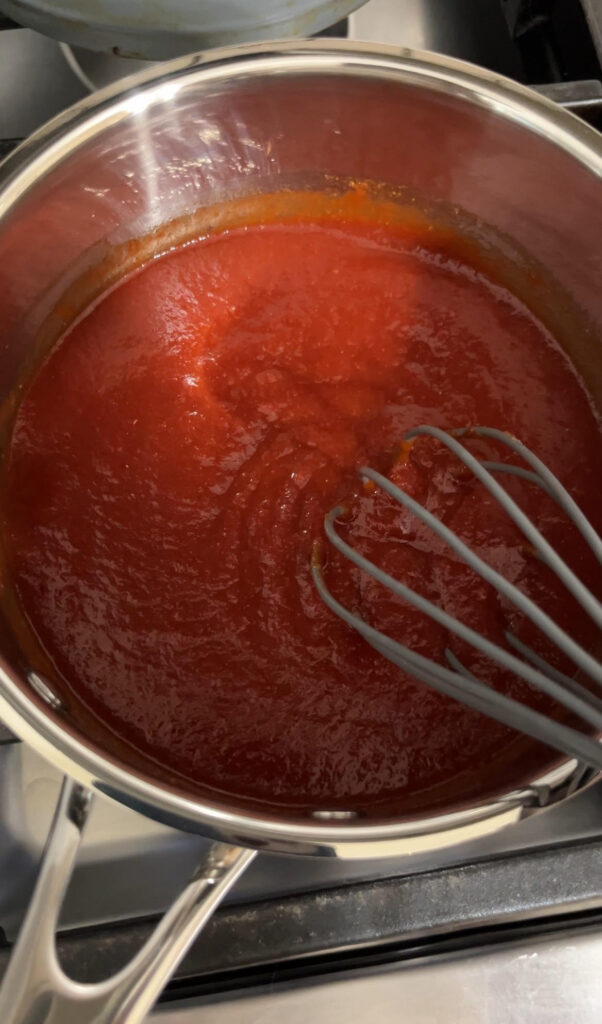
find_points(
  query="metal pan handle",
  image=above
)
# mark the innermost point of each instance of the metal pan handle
(36, 990)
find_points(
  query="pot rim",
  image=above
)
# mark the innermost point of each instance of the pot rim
(27, 714)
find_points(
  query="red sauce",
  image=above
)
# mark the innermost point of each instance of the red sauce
(173, 458)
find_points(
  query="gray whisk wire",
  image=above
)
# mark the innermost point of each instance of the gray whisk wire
(455, 680)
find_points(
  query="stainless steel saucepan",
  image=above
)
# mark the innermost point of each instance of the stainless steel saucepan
(203, 129)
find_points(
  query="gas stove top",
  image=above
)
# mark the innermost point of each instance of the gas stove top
(293, 919)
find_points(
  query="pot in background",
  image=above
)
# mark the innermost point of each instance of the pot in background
(168, 28)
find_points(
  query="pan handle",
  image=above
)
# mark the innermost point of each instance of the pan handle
(36, 990)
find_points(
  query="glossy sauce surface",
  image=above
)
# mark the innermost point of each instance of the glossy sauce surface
(170, 466)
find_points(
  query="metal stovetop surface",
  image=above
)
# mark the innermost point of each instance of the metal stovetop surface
(555, 981)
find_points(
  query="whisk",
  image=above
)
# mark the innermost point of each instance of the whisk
(454, 679)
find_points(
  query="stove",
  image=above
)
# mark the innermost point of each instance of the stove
(294, 924)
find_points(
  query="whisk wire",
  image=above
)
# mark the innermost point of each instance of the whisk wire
(543, 621)
(544, 477)
(550, 670)
(524, 474)
(492, 650)
(546, 552)
(468, 691)
(457, 681)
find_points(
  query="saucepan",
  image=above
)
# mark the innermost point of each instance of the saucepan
(120, 165)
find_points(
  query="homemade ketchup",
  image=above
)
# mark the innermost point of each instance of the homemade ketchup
(170, 466)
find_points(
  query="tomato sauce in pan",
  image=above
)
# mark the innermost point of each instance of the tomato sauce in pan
(170, 466)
